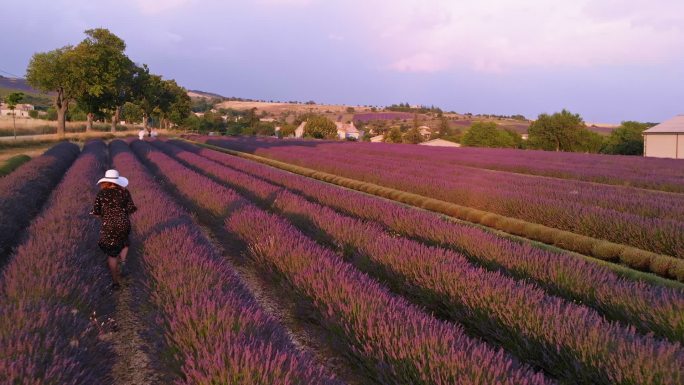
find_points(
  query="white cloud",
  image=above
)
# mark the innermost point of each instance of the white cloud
(500, 35)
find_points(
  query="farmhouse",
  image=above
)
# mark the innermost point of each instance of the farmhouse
(666, 140)
(425, 131)
(440, 143)
(20, 111)
(344, 131)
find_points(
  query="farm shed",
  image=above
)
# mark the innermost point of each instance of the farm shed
(440, 143)
(666, 140)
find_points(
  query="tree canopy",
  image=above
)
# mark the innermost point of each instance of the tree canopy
(58, 71)
(320, 127)
(562, 131)
(99, 76)
(487, 134)
(627, 139)
(394, 136)
(106, 71)
(413, 136)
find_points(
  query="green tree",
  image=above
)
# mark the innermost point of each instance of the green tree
(447, 132)
(513, 136)
(180, 108)
(487, 134)
(320, 127)
(131, 113)
(58, 71)
(394, 135)
(12, 100)
(413, 136)
(172, 104)
(562, 131)
(627, 139)
(149, 93)
(106, 70)
(591, 142)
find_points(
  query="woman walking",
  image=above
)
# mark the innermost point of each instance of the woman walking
(114, 204)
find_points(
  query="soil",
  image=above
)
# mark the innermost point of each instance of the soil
(134, 363)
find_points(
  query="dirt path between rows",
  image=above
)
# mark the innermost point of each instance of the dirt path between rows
(133, 362)
(282, 303)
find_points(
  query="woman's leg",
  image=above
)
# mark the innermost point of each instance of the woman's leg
(113, 263)
(123, 254)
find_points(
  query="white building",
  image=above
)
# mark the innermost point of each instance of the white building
(425, 131)
(666, 140)
(344, 131)
(20, 111)
(440, 143)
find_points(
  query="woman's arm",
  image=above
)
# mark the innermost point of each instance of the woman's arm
(97, 207)
(130, 206)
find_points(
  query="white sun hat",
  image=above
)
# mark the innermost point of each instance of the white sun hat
(112, 176)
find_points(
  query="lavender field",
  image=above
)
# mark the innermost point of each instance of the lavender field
(243, 273)
(647, 220)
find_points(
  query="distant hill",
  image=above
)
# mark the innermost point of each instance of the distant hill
(17, 84)
(204, 95)
(31, 96)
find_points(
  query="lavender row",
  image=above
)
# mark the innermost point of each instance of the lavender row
(52, 285)
(650, 222)
(393, 340)
(648, 173)
(23, 192)
(568, 340)
(210, 319)
(650, 204)
(651, 309)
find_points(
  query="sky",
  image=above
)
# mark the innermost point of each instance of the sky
(608, 60)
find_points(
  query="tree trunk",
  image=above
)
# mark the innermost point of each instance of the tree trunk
(62, 106)
(61, 122)
(145, 122)
(115, 118)
(14, 123)
(89, 122)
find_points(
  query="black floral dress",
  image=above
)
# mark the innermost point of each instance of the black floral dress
(114, 205)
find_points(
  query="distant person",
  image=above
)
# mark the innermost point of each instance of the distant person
(141, 134)
(114, 204)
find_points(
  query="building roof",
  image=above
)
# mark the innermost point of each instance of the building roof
(671, 126)
(440, 143)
